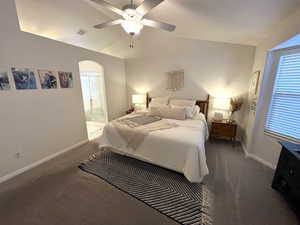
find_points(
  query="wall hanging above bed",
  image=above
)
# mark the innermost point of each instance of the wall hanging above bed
(175, 80)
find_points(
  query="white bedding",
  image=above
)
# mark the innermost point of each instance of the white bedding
(180, 149)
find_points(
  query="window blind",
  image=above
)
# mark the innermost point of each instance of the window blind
(283, 118)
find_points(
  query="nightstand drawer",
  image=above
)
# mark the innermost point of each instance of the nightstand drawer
(223, 130)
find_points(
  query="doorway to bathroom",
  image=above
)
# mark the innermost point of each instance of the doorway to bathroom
(94, 98)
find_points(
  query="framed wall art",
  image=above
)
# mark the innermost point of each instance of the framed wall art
(48, 79)
(24, 78)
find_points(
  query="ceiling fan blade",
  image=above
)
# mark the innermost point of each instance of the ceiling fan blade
(109, 6)
(147, 5)
(108, 24)
(160, 25)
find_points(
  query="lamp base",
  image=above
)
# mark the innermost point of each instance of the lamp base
(218, 116)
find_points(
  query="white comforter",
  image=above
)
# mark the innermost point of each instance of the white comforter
(180, 149)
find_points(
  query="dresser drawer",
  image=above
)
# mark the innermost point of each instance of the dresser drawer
(291, 171)
(287, 175)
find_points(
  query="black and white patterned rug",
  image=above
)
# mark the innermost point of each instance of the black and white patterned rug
(166, 191)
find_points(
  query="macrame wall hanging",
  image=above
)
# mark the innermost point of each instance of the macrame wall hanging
(175, 80)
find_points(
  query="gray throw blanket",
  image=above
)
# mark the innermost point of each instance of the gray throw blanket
(138, 121)
(134, 130)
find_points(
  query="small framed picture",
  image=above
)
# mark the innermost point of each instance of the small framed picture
(4, 81)
(65, 79)
(24, 78)
(48, 79)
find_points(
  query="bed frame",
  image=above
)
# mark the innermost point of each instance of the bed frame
(203, 104)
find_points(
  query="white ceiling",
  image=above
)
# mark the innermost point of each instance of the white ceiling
(234, 21)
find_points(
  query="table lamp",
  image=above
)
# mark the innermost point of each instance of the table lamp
(221, 105)
(138, 100)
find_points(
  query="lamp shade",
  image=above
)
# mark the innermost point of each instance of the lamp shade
(138, 99)
(221, 103)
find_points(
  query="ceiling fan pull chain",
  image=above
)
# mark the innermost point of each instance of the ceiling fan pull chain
(131, 43)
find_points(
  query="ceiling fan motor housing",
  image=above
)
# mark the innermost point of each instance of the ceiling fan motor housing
(129, 6)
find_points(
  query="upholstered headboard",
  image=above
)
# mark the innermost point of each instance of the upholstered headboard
(203, 104)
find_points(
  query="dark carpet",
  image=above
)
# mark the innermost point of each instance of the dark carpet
(59, 193)
(166, 191)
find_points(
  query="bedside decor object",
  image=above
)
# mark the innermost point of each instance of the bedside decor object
(287, 175)
(235, 105)
(129, 111)
(221, 105)
(138, 101)
(218, 116)
(175, 80)
(223, 128)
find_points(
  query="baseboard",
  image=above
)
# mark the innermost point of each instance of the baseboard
(35, 164)
(256, 158)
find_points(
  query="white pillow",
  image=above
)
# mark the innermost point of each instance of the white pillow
(196, 109)
(182, 102)
(189, 110)
(199, 116)
(160, 100)
(167, 112)
(156, 104)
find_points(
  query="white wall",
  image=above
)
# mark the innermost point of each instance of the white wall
(39, 123)
(258, 144)
(218, 69)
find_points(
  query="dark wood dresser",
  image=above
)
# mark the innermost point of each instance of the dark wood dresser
(287, 175)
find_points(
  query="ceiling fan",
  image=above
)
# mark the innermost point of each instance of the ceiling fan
(133, 19)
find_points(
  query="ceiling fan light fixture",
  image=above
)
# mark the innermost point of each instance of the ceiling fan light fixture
(132, 27)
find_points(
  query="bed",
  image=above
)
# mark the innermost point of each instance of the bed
(181, 148)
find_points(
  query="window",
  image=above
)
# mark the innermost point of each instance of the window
(283, 119)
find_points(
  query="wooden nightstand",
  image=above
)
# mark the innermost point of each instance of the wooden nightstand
(223, 128)
(129, 111)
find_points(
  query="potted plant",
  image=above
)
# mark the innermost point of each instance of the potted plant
(235, 105)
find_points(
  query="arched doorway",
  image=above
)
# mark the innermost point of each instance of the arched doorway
(94, 98)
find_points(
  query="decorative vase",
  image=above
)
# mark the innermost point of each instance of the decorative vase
(231, 117)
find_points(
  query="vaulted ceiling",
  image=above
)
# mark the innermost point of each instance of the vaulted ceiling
(234, 21)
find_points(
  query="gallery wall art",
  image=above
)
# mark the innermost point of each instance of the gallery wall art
(65, 79)
(4, 81)
(48, 79)
(24, 78)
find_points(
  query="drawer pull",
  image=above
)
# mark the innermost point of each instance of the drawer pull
(291, 171)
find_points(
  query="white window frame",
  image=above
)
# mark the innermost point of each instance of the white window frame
(275, 57)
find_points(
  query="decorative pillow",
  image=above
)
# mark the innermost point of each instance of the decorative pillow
(167, 112)
(196, 109)
(160, 100)
(183, 102)
(190, 111)
(199, 116)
